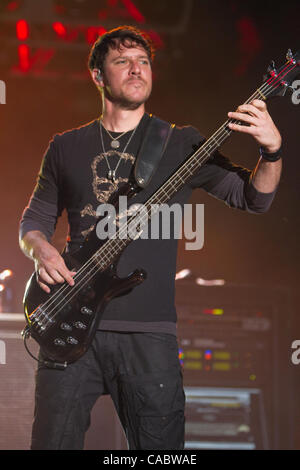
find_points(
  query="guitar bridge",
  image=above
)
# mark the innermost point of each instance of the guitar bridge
(40, 320)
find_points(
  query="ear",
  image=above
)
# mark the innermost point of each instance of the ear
(97, 77)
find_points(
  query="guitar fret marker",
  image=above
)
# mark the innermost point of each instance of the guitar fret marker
(263, 96)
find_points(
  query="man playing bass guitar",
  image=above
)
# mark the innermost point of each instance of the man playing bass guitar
(134, 354)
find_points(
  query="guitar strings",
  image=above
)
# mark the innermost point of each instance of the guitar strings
(263, 90)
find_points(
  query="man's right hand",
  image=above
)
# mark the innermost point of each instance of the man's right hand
(50, 266)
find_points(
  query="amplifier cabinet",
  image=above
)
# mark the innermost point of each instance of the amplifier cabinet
(17, 373)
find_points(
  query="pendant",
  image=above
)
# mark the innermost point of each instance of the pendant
(115, 144)
(111, 176)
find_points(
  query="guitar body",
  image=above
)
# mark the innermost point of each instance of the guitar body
(70, 331)
(64, 321)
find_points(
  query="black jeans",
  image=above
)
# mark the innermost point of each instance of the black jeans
(140, 371)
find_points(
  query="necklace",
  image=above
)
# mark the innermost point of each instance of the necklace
(111, 175)
(115, 144)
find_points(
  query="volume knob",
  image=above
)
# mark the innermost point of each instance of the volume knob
(79, 325)
(66, 326)
(72, 340)
(59, 342)
(86, 311)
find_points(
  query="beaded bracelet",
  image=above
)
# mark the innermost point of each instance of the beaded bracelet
(270, 157)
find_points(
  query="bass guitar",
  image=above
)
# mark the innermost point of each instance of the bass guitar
(64, 322)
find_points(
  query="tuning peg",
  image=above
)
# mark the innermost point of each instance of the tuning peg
(290, 57)
(271, 66)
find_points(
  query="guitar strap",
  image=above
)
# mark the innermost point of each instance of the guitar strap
(153, 148)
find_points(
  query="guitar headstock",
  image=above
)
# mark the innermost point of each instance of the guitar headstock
(278, 80)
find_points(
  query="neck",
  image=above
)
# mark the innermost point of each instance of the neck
(116, 119)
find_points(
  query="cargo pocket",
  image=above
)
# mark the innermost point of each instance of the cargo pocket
(154, 405)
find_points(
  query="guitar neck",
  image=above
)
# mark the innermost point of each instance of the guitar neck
(199, 158)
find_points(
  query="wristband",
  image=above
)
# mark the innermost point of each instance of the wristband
(270, 157)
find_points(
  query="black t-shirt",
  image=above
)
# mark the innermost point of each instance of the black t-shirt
(73, 176)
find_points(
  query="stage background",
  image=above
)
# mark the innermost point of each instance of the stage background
(211, 57)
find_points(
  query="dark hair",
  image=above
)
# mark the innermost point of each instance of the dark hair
(128, 36)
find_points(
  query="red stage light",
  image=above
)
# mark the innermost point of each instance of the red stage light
(130, 9)
(24, 54)
(59, 28)
(134, 12)
(22, 30)
(93, 32)
(11, 6)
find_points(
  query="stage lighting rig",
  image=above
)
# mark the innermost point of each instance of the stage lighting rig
(39, 36)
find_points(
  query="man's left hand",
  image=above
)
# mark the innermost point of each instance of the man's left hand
(260, 125)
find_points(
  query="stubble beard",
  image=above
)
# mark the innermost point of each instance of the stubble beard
(124, 102)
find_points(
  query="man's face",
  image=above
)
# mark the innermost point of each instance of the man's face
(127, 76)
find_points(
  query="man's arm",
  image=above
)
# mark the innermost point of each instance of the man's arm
(38, 223)
(266, 175)
(49, 264)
